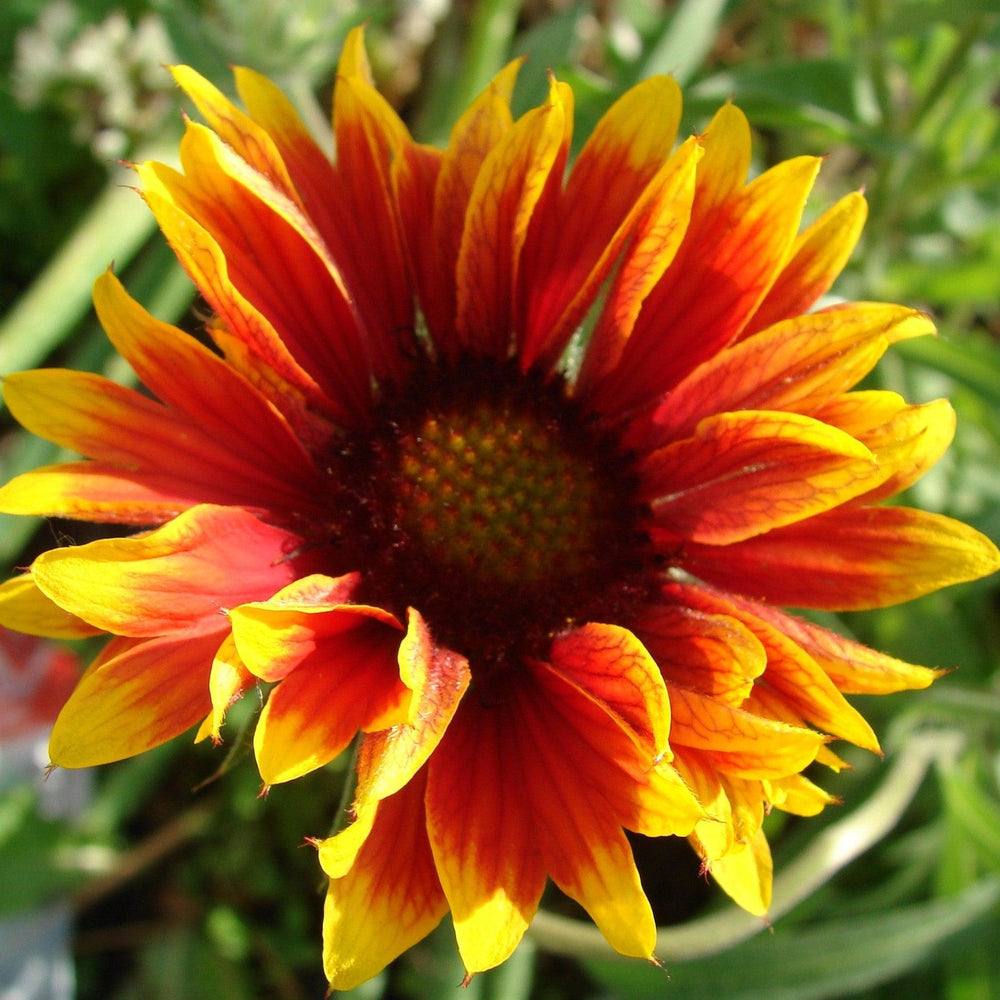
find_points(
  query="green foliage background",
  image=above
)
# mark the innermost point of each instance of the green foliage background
(197, 888)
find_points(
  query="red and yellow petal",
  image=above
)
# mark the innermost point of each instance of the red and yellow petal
(187, 573)
(25, 608)
(853, 668)
(593, 738)
(745, 873)
(351, 682)
(578, 816)
(97, 418)
(851, 558)
(193, 380)
(297, 284)
(796, 365)
(204, 260)
(737, 742)
(658, 230)
(735, 247)
(570, 254)
(384, 893)
(437, 678)
(791, 673)
(797, 795)
(138, 694)
(818, 257)
(588, 857)
(907, 440)
(507, 189)
(613, 667)
(98, 491)
(714, 654)
(715, 833)
(238, 130)
(368, 135)
(745, 473)
(473, 137)
(228, 680)
(485, 842)
(275, 636)
(416, 172)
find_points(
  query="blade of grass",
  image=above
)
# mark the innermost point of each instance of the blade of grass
(114, 229)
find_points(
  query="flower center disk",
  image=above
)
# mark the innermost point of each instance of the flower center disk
(490, 494)
(497, 510)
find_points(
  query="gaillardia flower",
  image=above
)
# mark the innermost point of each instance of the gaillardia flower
(509, 467)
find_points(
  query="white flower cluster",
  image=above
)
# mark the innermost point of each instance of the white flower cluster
(109, 78)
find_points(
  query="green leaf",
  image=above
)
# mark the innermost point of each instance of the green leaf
(977, 816)
(30, 850)
(685, 40)
(834, 959)
(113, 230)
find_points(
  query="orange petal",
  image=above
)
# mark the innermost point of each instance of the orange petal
(388, 899)
(746, 473)
(740, 743)
(137, 695)
(714, 654)
(505, 194)
(189, 571)
(437, 678)
(819, 255)
(483, 834)
(24, 608)
(849, 559)
(613, 667)
(349, 682)
(796, 365)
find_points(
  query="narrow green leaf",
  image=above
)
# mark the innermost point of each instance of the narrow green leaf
(113, 230)
(687, 38)
(977, 816)
(835, 959)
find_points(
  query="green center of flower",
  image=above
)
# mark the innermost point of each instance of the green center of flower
(488, 501)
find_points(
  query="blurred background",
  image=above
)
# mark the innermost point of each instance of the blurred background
(168, 876)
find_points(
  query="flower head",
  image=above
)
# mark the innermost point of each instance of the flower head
(510, 467)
